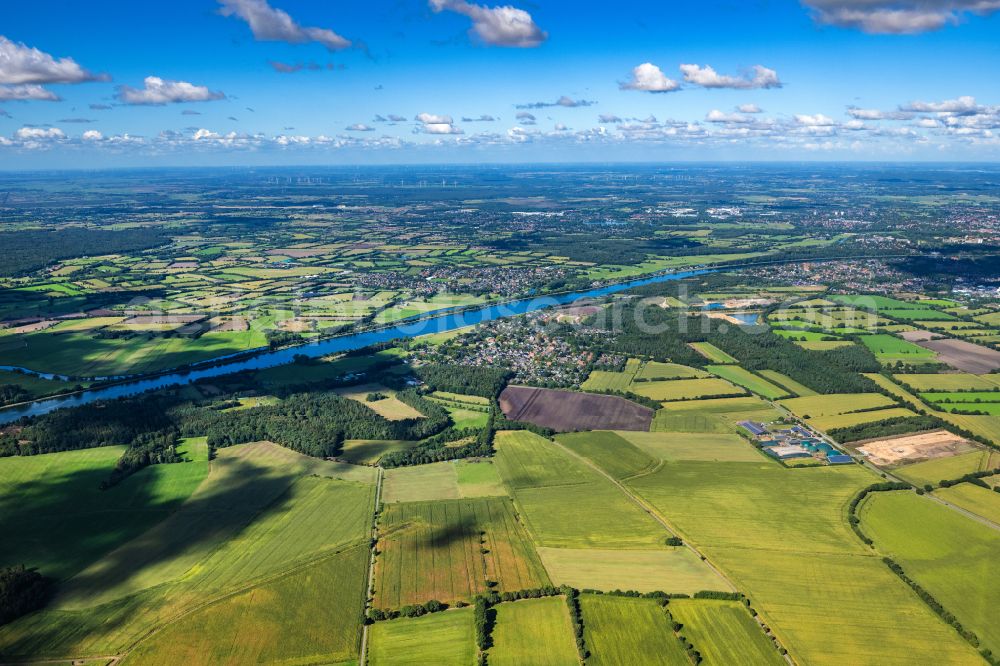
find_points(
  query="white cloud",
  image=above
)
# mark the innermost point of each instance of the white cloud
(274, 25)
(92, 135)
(647, 77)
(498, 26)
(898, 16)
(21, 64)
(564, 101)
(434, 119)
(716, 116)
(432, 123)
(608, 118)
(441, 128)
(707, 77)
(876, 114)
(162, 91)
(27, 92)
(360, 127)
(962, 105)
(856, 125)
(749, 108)
(818, 120)
(39, 134)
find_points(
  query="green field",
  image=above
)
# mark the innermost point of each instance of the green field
(824, 345)
(533, 631)
(824, 423)
(609, 451)
(420, 482)
(433, 550)
(749, 380)
(308, 616)
(782, 536)
(439, 638)
(948, 554)
(669, 569)
(444, 480)
(975, 499)
(262, 514)
(653, 370)
(675, 446)
(54, 516)
(369, 451)
(718, 415)
(478, 478)
(940, 469)
(255, 514)
(712, 353)
(36, 386)
(82, 355)
(795, 387)
(685, 389)
(724, 633)
(623, 630)
(838, 403)
(889, 349)
(605, 380)
(565, 503)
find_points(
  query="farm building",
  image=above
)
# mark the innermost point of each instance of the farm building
(755, 429)
(787, 452)
(839, 459)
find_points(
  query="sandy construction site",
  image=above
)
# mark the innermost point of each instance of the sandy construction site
(911, 448)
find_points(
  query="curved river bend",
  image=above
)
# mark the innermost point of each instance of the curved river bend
(433, 324)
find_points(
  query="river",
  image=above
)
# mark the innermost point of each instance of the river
(447, 321)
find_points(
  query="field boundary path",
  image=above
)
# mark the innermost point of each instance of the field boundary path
(362, 659)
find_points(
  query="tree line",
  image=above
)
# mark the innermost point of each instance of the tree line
(486, 382)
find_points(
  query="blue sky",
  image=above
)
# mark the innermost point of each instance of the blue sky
(119, 83)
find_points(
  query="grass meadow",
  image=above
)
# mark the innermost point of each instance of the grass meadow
(668, 569)
(975, 499)
(447, 638)
(800, 390)
(712, 353)
(452, 479)
(712, 415)
(749, 381)
(624, 630)
(940, 469)
(677, 446)
(686, 389)
(889, 349)
(54, 516)
(311, 615)
(837, 403)
(824, 423)
(610, 451)
(262, 514)
(724, 632)
(950, 555)
(533, 631)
